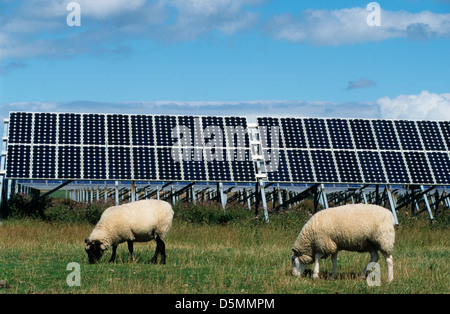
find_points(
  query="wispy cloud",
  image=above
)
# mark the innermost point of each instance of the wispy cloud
(349, 26)
(249, 109)
(38, 27)
(423, 106)
(361, 83)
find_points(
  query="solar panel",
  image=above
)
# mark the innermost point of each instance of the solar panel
(129, 147)
(355, 151)
(362, 134)
(385, 135)
(300, 165)
(317, 133)
(340, 134)
(408, 135)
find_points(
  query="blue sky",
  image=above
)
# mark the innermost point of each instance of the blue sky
(227, 57)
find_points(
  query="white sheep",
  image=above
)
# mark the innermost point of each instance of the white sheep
(140, 221)
(359, 227)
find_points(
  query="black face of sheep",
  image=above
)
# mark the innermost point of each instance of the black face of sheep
(94, 250)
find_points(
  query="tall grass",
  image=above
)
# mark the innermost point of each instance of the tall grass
(234, 254)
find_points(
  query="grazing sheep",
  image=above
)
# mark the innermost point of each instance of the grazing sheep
(140, 221)
(359, 227)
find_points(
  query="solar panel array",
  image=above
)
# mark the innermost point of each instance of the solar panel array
(128, 147)
(355, 151)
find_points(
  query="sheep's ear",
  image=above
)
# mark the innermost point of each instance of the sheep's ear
(296, 251)
(86, 240)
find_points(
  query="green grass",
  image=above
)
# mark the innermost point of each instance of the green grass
(242, 257)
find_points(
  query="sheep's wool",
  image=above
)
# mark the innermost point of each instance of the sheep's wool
(138, 222)
(358, 227)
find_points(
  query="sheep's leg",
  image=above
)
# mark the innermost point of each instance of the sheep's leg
(162, 249)
(316, 265)
(334, 272)
(390, 264)
(130, 248)
(154, 259)
(373, 259)
(113, 256)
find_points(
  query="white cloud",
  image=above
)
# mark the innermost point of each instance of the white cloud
(36, 28)
(425, 106)
(348, 26)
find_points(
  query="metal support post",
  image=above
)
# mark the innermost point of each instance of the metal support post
(324, 196)
(117, 192)
(133, 191)
(392, 204)
(427, 204)
(263, 198)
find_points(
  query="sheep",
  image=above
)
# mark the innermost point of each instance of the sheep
(358, 227)
(139, 221)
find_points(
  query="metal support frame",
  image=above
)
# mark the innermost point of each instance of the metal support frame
(392, 203)
(427, 204)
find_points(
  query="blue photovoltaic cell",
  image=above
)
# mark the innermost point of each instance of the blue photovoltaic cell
(300, 165)
(142, 130)
(440, 164)
(44, 128)
(67, 168)
(294, 135)
(275, 165)
(193, 164)
(385, 134)
(316, 133)
(409, 137)
(362, 134)
(144, 163)
(340, 134)
(190, 132)
(169, 165)
(270, 132)
(166, 130)
(44, 162)
(218, 167)
(94, 129)
(323, 164)
(20, 128)
(69, 129)
(214, 132)
(371, 166)
(445, 128)
(431, 137)
(119, 163)
(347, 165)
(395, 167)
(242, 165)
(118, 130)
(94, 162)
(418, 167)
(18, 162)
(236, 130)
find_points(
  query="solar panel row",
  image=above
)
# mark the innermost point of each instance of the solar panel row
(128, 147)
(359, 151)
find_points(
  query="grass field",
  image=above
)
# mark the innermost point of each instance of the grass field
(239, 257)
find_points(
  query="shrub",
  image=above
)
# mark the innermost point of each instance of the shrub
(210, 212)
(66, 210)
(21, 205)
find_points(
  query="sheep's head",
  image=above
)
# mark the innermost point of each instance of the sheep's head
(299, 262)
(94, 250)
